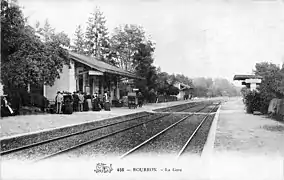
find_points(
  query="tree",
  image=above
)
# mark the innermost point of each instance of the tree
(272, 79)
(125, 43)
(132, 51)
(272, 85)
(49, 36)
(218, 87)
(162, 84)
(26, 59)
(184, 79)
(97, 42)
(143, 61)
(12, 24)
(79, 41)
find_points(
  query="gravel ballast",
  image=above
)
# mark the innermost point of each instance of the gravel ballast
(18, 141)
(55, 146)
(120, 143)
(172, 141)
(197, 143)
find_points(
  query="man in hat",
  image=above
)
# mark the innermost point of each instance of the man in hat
(59, 102)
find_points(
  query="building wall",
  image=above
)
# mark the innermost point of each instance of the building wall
(1, 89)
(180, 95)
(61, 84)
(72, 78)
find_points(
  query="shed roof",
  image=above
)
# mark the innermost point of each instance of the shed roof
(102, 66)
(244, 77)
(184, 85)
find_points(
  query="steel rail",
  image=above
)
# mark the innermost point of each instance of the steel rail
(93, 140)
(156, 135)
(99, 138)
(66, 136)
(72, 134)
(193, 134)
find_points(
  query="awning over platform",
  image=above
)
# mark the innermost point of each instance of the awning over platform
(244, 77)
(102, 66)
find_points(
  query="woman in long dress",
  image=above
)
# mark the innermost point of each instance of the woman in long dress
(89, 101)
(96, 105)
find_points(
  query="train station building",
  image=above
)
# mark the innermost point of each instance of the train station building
(183, 90)
(88, 75)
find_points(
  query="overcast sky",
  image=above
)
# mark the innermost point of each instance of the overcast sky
(209, 38)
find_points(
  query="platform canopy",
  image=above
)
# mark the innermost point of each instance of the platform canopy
(102, 66)
(244, 77)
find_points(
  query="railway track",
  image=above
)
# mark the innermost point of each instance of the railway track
(47, 148)
(159, 135)
(121, 142)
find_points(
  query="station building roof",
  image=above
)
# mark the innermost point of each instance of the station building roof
(102, 66)
(244, 77)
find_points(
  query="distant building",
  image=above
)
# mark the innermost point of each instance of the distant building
(183, 90)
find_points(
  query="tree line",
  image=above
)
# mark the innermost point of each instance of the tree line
(36, 55)
(130, 48)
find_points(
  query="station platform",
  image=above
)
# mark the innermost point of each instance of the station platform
(18, 125)
(244, 146)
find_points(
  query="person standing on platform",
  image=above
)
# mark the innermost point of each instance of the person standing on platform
(89, 102)
(140, 99)
(81, 101)
(96, 103)
(106, 101)
(59, 102)
(75, 101)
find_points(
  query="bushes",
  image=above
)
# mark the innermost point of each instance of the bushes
(256, 101)
(253, 101)
(23, 98)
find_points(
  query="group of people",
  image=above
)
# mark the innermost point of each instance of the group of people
(83, 102)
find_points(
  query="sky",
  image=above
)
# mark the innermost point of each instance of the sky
(197, 38)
